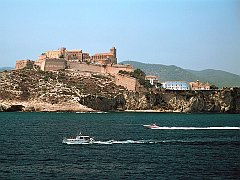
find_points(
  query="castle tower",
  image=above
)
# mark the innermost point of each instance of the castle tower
(62, 51)
(113, 51)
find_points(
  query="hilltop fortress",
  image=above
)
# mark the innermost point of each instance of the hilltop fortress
(79, 61)
(68, 59)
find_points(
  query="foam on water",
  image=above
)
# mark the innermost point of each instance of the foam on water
(191, 142)
(92, 112)
(124, 142)
(197, 128)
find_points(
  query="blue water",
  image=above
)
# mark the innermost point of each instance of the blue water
(31, 146)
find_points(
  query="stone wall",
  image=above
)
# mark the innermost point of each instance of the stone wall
(20, 64)
(54, 64)
(110, 69)
(114, 69)
(86, 67)
(128, 82)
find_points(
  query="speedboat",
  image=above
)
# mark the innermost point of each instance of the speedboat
(79, 139)
(152, 126)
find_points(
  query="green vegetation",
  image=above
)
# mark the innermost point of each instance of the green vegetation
(124, 72)
(47, 75)
(219, 78)
(139, 75)
(29, 66)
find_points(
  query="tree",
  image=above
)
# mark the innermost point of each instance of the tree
(139, 74)
(124, 72)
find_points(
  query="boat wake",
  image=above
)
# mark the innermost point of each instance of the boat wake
(125, 142)
(166, 142)
(197, 128)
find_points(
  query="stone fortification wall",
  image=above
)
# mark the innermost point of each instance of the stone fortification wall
(54, 64)
(86, 67)
(128, 82)
(110, 69)
(20, 64)
(114, 69)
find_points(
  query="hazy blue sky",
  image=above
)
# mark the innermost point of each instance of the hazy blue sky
(192, 34)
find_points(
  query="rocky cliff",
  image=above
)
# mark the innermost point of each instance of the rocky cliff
(221, 101)
(34, 90)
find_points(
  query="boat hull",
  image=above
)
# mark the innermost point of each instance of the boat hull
(78, 140)
(152, 126)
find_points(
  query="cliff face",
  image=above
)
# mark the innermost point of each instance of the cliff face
(33, 90)
(221, 101)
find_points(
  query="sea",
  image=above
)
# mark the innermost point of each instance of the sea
(31, 146)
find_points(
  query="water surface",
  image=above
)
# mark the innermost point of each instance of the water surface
(31, 146)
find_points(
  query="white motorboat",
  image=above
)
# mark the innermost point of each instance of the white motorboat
(152, 126)
(79, 139)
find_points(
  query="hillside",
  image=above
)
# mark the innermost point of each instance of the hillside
(166, 73)
(220, 78)
(41, 90)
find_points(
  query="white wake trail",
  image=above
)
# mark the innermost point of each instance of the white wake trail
(126, 142)
(197, 128)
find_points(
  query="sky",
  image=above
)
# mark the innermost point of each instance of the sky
(191, 34)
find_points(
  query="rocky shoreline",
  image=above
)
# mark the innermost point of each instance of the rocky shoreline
(25, 106)
(221, 101)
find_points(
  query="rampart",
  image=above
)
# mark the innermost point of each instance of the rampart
(109, 69)
(81, 67)
(20, 64)
(115, 68)
(54, 64)
(128, 82)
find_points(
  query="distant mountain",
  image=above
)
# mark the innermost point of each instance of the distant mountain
(220, 78)
(5, 68)
(166, 73)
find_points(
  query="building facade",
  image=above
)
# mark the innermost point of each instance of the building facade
(105, 58)
(176, 85)
(80, 56)
(153, 80)
(63, 53)
(197, 85)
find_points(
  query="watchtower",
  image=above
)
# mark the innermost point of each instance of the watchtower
(62, 52)
(113, 51)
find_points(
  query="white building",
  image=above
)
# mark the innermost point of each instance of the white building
(152, 79)
(176, 85)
